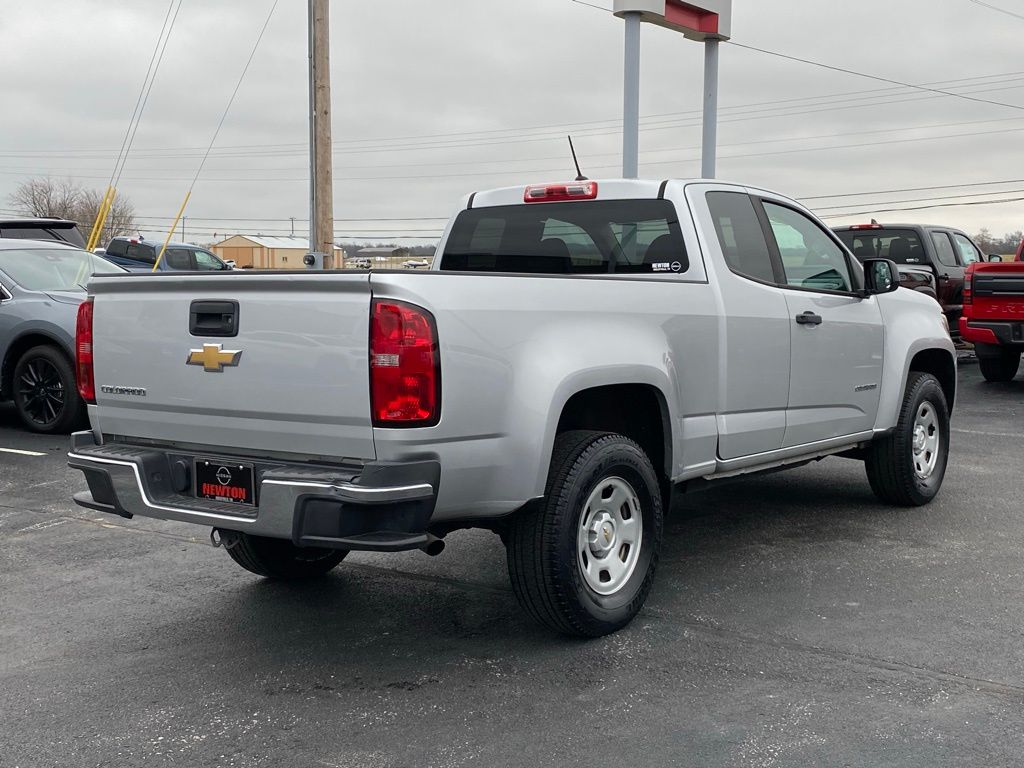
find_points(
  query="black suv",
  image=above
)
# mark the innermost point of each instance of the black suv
(61, 230)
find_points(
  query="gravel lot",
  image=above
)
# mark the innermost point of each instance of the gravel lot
(794, 622)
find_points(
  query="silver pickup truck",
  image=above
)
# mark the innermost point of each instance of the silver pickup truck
(576, 354)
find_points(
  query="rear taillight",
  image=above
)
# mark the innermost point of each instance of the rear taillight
(555, 193)
(83, 352)
(969, 287)
(405, 366)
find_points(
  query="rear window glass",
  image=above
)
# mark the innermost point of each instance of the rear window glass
(140, 252)
(579, 238)
(66, 234)
(901, 245)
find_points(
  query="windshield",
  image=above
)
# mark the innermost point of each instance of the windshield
(53, 269)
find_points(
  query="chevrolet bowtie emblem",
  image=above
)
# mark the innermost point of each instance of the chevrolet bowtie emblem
(213, 358)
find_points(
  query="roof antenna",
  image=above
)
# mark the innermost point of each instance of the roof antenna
(579, 173)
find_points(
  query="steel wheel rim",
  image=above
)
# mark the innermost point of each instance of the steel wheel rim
(609, 536)
(41, 391)
(926, 441)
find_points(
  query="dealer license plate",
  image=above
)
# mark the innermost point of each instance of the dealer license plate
(229, 482)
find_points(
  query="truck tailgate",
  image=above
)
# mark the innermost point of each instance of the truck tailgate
(997, 292)
(291, 376)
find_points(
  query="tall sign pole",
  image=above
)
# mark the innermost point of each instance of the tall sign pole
(707, 21)
(709, 143)
(631, 99)
(321, 193)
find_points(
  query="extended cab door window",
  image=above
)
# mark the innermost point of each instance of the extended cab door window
(944, 249)
(741, 236)
(810, 258)
(179, 259)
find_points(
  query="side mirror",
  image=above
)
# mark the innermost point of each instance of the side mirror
(994, 257)
(880, 276)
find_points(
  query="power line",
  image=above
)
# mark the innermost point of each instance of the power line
(995, 8)
(879, 78)
(913, 189)
(147, 87)
(234, 93)
(922, 207)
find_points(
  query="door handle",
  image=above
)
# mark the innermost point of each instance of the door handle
(213, 318)
(808, 318)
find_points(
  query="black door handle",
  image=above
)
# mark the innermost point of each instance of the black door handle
(213, 318)
(808, 318)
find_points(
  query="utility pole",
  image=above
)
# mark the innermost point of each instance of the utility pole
(183, 229)
(293, 225)
(321, 208)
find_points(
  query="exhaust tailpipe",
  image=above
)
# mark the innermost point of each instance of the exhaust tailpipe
(434, 546)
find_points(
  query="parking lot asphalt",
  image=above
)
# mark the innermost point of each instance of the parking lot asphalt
(795, 621)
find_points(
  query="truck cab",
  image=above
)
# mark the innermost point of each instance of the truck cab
(137, 254)
(943, 252)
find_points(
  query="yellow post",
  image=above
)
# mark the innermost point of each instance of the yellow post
(170, 232)
(101, 218)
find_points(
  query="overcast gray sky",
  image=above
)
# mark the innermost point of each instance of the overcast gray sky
(434, 100)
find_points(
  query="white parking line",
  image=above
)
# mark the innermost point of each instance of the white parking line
(21, 453)
(986, 434)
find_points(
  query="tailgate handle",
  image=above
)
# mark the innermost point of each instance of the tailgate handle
(213, 318)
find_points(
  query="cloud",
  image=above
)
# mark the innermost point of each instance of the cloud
(433, 100)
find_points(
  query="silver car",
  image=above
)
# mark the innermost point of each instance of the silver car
(41, 286)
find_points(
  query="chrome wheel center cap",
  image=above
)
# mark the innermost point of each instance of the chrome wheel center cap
(601, 535)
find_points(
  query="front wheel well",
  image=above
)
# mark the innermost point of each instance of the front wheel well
(20, 346)
(637, 411)
(941, 365)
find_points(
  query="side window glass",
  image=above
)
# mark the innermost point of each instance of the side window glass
(178, 258)
(968, 253)
(139, 252)
(740, 235)
(944, 249)
(810, 258)
(207, 261)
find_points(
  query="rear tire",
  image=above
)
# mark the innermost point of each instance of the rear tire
(280, 559)
(45, 392)
(583, 561)
(1001, 368)
(906, 467)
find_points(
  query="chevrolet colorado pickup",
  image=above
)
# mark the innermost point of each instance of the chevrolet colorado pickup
(993, 318)
(576, 353)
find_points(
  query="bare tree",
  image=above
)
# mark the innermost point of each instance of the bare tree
(66, 200)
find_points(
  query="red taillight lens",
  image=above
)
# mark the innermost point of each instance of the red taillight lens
(969, 287)
(405, 366)
(83, 352)
(555, 193)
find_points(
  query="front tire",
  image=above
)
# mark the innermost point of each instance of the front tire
(582, 563)
(1001, 368)
(906, 467)
(280, 559)
(45, 393)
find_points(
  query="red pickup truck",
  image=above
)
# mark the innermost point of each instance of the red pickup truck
(993, 317)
